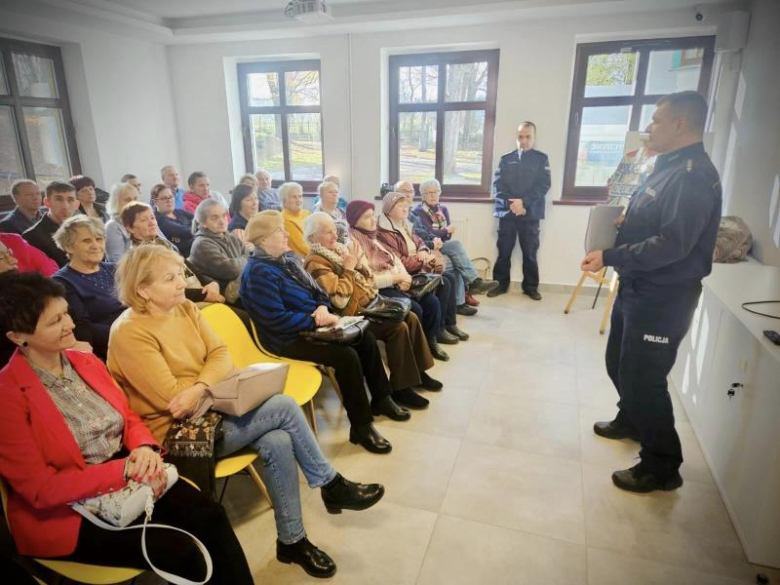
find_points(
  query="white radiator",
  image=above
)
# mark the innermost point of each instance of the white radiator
(461, 231)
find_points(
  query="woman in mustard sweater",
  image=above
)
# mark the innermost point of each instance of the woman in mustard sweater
(164, 355)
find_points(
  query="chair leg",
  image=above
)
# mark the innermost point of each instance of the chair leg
(574, 293)
(224, 489)
(259, 482)
(309, 409)
(334, 383)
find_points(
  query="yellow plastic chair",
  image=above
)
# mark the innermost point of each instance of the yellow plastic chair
(83, 573)
(303, 378)
(243, 460)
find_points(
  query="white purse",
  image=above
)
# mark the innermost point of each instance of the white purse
(116, 510)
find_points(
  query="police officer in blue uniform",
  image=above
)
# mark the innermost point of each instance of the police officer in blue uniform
(520, 185)
(663, 250)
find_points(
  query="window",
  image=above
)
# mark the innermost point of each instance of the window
(442, 114)
(616, 86)
(36, 131)
(281, 116)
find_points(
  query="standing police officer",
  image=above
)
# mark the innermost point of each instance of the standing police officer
(520, 184)
(663, 250)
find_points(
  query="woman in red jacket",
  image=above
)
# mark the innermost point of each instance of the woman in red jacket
(67, 433)
(24, 256)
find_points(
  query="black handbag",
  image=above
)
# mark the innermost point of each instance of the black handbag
(423, 283)
(387, 309)
(339, 335)
(190, 447)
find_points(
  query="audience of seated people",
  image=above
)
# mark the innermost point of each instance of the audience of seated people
(17, 254)
(61, 203)
(343, 272)
(71, 435)
(390, 274)
(85, 193)
(396, 233)
(217, 254)
(133, 180)
(175, 224)
(267, 196)
(294, 215)
(88, 281)
(26, 195)
(117, 239)
(243, 205)
(283, 300)
(164, 355)
(200, 190)
(170, 178)
(329, 203)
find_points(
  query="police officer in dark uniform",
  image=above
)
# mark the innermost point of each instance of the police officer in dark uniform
(520, 185)
(663, 250)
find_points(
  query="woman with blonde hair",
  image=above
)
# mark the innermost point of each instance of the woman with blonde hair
(165, 355)
(117, 239)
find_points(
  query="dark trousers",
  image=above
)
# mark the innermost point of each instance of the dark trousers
(352, 364)
(648, 323)
(446, 295)
(427, 309)
(183, 507)
(526, 232)
(407, 350)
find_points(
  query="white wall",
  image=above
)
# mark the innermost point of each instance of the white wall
(120, 92)
(535, 77)
(752, 174)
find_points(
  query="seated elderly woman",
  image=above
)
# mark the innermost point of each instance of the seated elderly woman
(294, 215)
(88, 281)
(164, 355)
(17, 254)
(141, 225)
(267, 196)
(117, 239)
(341, 203)
(70, 435)
(175, 224)
(217, 254)
(284, 300)
(390, 274)
(243, 206)
(200, 190)
(85, 193)
(435, 229)
(343, 272)
(329, 203)
(395, 232)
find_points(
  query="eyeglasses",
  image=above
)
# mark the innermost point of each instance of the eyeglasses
(165, 199)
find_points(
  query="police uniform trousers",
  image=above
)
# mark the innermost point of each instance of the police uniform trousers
(526, 232)
(648, 323)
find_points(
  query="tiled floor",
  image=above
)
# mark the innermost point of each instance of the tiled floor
(501, 480)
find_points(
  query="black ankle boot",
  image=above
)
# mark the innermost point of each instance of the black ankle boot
(342, 494)
(410, 399)
(438, 352)
(367, 437)
(429, 383)
(314, 561)
(387, 406)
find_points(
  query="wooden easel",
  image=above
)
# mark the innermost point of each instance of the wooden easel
(601, 278)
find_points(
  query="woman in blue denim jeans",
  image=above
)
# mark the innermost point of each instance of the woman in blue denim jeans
(164, 355)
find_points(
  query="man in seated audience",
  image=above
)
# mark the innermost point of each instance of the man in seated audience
(131, 179)
(67, 433)
(175, 224)
(85, 193)
(88, 281)
(170, 178)
(62, 203)
(520, 185)
(294, 215)
(165, 355)
(17, 254)
(117, 239)
(200, 190)
(267, 196)
(27, 197)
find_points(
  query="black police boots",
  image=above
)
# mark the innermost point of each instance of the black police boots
(640, 480)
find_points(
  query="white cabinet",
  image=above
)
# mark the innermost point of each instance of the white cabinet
(738, 431)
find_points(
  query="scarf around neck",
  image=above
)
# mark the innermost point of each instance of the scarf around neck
(379, 258)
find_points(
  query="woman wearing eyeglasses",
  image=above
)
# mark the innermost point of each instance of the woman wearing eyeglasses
(175, 224)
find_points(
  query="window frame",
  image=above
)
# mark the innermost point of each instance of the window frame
(593, 195)
(280, 68)
(17, 103)
(481, 192)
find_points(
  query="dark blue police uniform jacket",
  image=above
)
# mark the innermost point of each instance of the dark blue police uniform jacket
(526, 178)
(668, 236)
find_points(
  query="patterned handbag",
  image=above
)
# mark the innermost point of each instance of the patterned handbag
(189, 445)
